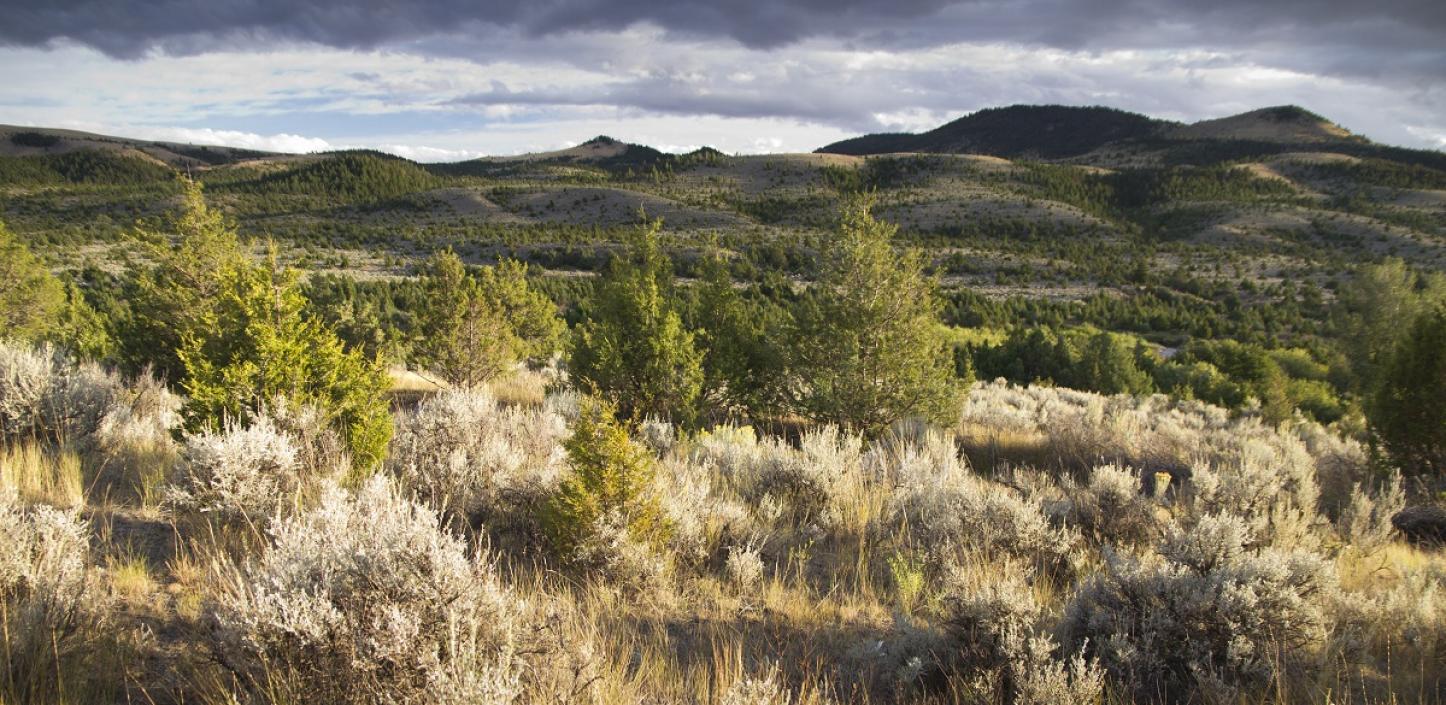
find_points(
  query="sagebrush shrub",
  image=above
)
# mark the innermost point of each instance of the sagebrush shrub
(947, 507)
(473, 460)
(704, 517)
(1001, 650)
(45, 394)
(50, 609)
(238, 473)
(1111, 507)
(1221, 464)
(807, 483)
(1209, 612)
(1365, 522)
(366, 599)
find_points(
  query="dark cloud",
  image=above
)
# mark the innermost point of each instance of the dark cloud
(1411, 29)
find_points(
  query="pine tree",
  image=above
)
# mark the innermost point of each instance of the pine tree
(633, 350)
(1374, 310)
(868, 348)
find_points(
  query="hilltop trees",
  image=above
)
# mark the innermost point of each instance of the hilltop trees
(633, 349)
(867, 349)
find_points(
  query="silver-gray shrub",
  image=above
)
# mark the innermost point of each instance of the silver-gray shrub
(140, 416)
(475, 461)
(51, 608)
(807, 484)
(241, 472)
(45, 394)
(1207, 614)
(1365, 521)
(949, 508)
(1111, 507)
(1223, 463)
(367, 599)
(1002, 650)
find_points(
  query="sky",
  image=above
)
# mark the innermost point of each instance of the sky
(455, 79)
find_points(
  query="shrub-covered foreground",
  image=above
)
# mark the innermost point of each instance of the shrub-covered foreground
(1051, 547)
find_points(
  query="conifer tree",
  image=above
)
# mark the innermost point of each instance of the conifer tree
(464, 337)
(30, 297)
(1408, 412)
(868, 347)
(255, 348)
(633, 350)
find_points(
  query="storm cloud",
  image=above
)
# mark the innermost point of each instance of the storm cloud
(128, 29)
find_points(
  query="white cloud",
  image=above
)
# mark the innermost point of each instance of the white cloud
(230, 138)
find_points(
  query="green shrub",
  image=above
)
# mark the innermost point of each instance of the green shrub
(607, 492)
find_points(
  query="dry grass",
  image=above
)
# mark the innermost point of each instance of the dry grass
(39, 473)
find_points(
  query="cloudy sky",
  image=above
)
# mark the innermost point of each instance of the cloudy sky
(453, 79)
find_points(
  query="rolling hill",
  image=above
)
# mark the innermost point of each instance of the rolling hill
(1043, 205)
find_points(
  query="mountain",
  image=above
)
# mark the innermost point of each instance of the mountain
(1107, 137)
(1030, 131)
(601, 150)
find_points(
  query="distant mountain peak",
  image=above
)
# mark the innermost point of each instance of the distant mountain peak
(601, 141)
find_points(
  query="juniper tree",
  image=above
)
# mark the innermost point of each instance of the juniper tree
(464, 336)
(255, 348)
(1408, 411)
(30, 298)
(633, 350)
(868, 347)
(474, 328)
